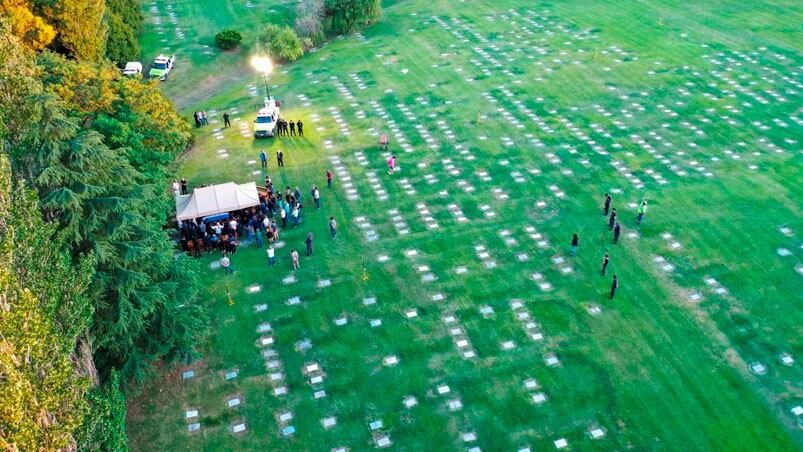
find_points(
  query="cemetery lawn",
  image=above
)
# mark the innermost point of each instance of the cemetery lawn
(510, 120)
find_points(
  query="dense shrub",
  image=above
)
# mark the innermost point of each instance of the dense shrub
(345, 16)
(228, 39)
(281, 43)
(287, 46)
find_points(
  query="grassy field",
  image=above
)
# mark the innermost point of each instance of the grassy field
(510, 120)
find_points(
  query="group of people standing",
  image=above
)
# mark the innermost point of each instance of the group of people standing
(179, 188)
(201, 119)
(616, 228)
(278, 208)
(285, 128)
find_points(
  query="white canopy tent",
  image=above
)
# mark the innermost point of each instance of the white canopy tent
(215, 199)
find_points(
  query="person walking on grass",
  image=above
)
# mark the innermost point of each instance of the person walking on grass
(271, 256)
(614, 285)
(283, 216)
(225, 262)
(612, 219)
(391, 164)
(300, 126)
(204, 118)
(226, 121)
(575, 244)
(607, 205)
(332, 226)
(329, 178)
(279, 158)
(605, 261)
(294, 258)
(176, 188)
(263, 158)
(642, 210)
(316, 196)
(309, 244)
(617, 229)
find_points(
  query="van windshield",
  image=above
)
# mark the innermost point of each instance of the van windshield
(264, 119)
(160, 65)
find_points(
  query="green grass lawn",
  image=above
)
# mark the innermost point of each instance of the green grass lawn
(517, 117)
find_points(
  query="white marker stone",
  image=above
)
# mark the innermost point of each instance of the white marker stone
(329, 422)
(410, 402)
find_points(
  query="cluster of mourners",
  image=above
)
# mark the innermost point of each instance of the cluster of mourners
(276, 209)
(287, 207)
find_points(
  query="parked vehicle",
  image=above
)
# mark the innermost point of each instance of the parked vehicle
(161, 66)
(132, 68)
(267, 116)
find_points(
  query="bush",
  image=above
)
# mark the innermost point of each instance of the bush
(282, 43)
(287, 46)
(345, 16)
(309, 22)
(228, 39)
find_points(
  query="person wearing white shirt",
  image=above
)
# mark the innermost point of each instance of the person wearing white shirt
(225, 262)
(271, 256)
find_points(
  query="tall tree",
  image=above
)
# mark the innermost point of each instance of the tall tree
(107, 208)
(42, 395)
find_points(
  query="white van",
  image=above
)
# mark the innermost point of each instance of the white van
(265, 123)
(132, 68)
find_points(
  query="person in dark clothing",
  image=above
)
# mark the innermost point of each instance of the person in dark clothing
(263, 158)
(575, 243)
(197, 119)
(605, 261)
(616, 231)
(607, 206)
(614, 285)
(309, 244)
(280, 158)
(183, 186)
(329, 177)
(226, 122)
(292, 128)
(300, 126)
(612, 219)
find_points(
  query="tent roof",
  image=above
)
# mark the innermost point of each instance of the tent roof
(216, 199)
